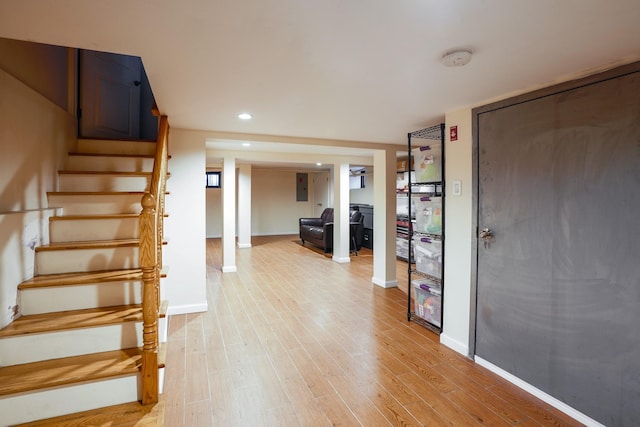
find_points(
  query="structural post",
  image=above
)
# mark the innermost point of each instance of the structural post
(244, 206)
(229, 215)
(384, 219)
(341, 212)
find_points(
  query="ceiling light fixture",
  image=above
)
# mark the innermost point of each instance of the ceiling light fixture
(246, 144)
(456, 58)
(318, 164)
(245, 116)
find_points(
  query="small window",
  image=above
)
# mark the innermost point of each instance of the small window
(213, 179)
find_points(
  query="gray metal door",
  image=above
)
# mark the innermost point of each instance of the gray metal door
(558, 280)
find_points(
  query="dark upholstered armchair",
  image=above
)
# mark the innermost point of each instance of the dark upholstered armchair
(319, 231)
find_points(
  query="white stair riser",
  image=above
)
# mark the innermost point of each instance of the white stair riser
(68, 399)
(29, 348)
(72, 260)
(110, 164)
(84, 230)
(116, 147)
(78, 297)
(163, 329)
(92, 182)
(97, 204)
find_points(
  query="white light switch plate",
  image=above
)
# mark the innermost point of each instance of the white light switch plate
(457, 187)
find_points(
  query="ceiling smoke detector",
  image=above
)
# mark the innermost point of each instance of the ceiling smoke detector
(456, 58)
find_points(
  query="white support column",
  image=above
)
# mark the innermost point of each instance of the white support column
(384, 219)
(229, 215)
(341, 213)
(244, 206)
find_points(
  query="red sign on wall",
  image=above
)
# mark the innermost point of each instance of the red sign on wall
(453, 133)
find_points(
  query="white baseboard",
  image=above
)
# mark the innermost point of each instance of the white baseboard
(229, 268)
(244, 245)
(270, 233)
(573, 413)
(295, 232)
(454, 345)
(341, 260)
(384, 284)
(187, 308)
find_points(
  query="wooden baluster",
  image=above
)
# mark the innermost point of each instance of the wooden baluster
(148, 262)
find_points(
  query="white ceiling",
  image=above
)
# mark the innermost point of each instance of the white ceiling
(356, 70)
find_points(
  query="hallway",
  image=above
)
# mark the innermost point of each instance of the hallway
(295, 339)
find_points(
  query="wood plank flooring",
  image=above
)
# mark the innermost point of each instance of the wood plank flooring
(295, 339)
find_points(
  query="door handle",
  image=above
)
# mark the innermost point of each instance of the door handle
(136, 82)
(486, 235)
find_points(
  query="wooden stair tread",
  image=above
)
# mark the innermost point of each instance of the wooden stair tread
(94, 244)
(79, 278)
(126, 414)
(162, 310)
(72, 319)
(116, 173)
(93, 217)
(97, 216)
(69, 370)
(94, 193)
(135, 156)
(85, 277)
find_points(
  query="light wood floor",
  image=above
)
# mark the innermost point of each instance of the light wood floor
(295, 339)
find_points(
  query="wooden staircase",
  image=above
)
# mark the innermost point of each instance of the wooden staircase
(91, 317)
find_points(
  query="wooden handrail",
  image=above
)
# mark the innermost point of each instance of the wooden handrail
(150, 258)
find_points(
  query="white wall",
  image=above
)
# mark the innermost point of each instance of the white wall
(363, 195)
(274, 209)
(42, 67)
(20, 233)
(214, 212)
(35, 135)
(459, 234)
(185, 255)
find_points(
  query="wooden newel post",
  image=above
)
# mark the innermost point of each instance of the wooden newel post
(148, 261)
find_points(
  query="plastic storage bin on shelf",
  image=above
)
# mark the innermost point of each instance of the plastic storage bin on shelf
(428, 256)
(428, 164)
(402, 247)
(402, 205)
(428, 216)
(427, 299)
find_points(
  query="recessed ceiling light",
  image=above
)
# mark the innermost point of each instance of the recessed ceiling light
(245, 116)
(246, 144)
(318, 164)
